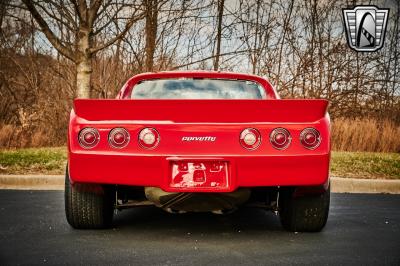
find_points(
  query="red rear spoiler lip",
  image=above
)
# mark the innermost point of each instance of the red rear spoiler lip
(203, 111)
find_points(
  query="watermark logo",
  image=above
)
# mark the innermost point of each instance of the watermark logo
(365, 27)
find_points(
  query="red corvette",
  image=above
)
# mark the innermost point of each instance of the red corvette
(198, 141)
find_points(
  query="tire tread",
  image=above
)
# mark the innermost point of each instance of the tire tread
(307, 213)
(88, 206)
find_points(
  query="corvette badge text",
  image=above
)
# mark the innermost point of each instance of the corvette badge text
(365, 27)
(207, 138)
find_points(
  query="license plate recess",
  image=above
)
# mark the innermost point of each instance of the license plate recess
(199, 174)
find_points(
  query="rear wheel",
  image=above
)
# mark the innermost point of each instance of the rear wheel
(88, 206)
(306, 211)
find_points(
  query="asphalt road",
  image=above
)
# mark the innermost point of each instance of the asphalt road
(362, 229)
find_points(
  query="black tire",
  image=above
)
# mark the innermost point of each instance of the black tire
(88, 206)
(303, 213)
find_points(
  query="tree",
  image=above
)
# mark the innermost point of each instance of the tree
(151, 7)
(219, 34)
(85, 25)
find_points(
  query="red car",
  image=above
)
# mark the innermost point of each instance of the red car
(198, 141)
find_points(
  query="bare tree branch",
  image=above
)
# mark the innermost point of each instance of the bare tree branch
(128, 25)
(48, 32)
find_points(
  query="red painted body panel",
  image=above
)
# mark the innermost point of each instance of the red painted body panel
(202, 111)
(222, 119)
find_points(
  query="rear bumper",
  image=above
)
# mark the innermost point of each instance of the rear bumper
(155, 171)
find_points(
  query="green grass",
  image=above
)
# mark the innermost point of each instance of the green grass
(33, 161)
(366, 165)
(343, 164)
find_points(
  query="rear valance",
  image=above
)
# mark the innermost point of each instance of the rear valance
(211, 111)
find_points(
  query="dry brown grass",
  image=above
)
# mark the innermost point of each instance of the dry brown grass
(6, 135)
(18, 137)
(365, 135)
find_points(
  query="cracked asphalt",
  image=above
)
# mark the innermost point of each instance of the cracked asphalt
(362, 229)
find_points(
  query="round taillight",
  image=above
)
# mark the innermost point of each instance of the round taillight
(280, 138)
(88, 137)
(118, 138)
(310, 138)
(149, 138)
(250, 138)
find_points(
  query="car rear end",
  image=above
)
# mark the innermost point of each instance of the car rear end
(263, 144)
(200, 154)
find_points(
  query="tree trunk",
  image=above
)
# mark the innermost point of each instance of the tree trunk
(256, 51)
(286, 21)
(219, 33)
(83, 65)
(151, 32)
(83, 77)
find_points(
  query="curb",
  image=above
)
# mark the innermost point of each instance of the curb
(339, 185)
(354, 185)
(32, 182)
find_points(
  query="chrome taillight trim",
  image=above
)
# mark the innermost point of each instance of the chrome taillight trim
(115, 131)
(285, 132)
(246, 131)
(154, 132)
(83, 143)
(317, 135)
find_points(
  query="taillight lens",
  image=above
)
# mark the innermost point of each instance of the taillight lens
(149, 138)
(250, 138)
(118, 138)
(310, 138)
(280, 138)
(88, 137)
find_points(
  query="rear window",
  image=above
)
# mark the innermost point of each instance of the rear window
(197, 89)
